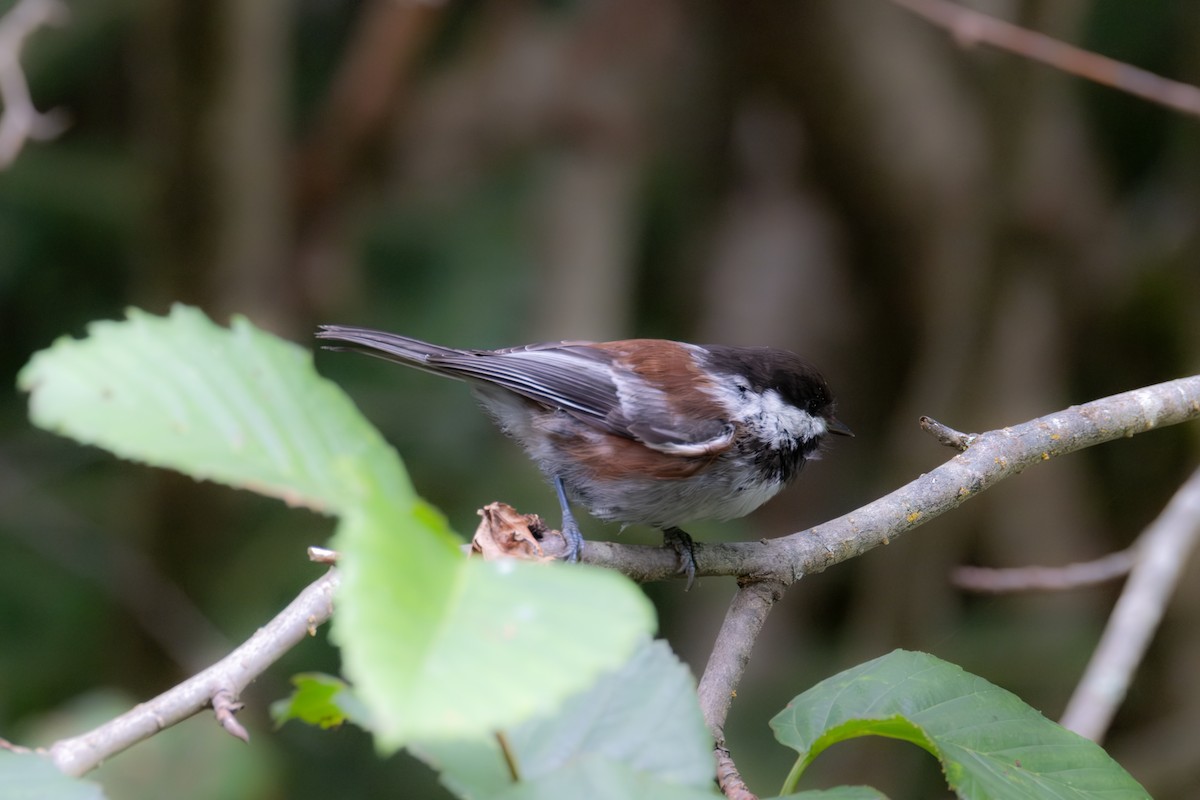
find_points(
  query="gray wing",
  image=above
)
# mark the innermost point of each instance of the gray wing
(582, 380)
(562, 375)
(598, 390)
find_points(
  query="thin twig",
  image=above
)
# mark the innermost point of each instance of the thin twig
(729, 780)
(1163, 550)
(225, 708)
(322, 555)
(726, 664)
(1045, 579)
(970, 27)
(5, 744)
(510, 757)
(946, 435)
(224, 680)
(21, 121)
(731, 651)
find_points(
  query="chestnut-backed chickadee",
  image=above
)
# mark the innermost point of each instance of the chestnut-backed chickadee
(640, 431)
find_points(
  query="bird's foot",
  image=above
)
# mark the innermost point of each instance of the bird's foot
(573, 538)
(570, 528)
(685, 551)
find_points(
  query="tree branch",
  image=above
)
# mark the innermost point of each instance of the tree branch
(1162, 551)
(218, 686)
(1045, 579)
(946, 435)
(969, 27)
(729, 780)
(731, 651)
(21, 120)
(726, 665)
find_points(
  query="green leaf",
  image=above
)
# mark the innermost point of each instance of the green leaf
(837, 793)
(439, 646)
(436, 645)
(990, 743)
(321, 700)
(237, 406)
(600, 779)
(26, 776)
(644, 715)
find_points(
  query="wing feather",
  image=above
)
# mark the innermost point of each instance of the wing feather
(556, 376)
(591, 383)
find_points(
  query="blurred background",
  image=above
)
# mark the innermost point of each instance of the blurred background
(944, 231)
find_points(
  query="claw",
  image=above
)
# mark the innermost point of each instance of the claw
(570, 532)
(685, 551)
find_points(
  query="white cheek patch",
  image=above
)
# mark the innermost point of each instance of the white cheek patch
(777, 422)
(789, 421)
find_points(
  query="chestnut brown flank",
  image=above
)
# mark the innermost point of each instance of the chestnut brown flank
(612, 457)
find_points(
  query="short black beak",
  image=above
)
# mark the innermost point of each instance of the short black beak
(835, 425)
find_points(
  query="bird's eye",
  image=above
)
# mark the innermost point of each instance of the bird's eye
(742, 389)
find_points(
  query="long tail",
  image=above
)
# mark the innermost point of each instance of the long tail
(390, 347)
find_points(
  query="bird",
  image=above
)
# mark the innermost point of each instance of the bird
(639, 431)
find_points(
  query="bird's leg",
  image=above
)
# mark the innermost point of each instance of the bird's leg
(570, 529)
(685, 550)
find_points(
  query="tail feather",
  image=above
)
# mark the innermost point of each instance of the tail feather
(390, 347)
